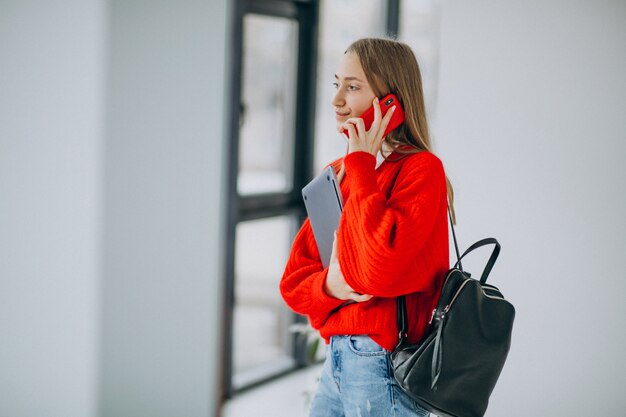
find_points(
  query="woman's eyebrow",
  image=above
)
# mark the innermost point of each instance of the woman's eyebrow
(349, 78)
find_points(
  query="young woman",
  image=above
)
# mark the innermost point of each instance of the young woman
(392, 238)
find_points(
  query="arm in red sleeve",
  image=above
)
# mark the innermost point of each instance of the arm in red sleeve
(381, 240)
(302, 284)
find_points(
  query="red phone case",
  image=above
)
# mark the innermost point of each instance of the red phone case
(386, 103)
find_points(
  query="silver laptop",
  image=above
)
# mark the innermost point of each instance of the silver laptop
(324, 203)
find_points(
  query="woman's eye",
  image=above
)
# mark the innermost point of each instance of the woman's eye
(348, 87)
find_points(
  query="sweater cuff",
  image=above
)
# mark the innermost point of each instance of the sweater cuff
(319, 297)
(361, 171)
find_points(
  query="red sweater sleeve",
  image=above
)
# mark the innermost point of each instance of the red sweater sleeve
(302, 284)
(382, 239)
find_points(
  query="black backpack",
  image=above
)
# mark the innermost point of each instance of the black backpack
(454, 369)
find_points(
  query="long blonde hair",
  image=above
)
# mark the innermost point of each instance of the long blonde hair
(391, 67)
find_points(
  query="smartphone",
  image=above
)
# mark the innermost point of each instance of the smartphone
(386, 103)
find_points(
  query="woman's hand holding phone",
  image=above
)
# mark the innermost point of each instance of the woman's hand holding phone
(360, 139)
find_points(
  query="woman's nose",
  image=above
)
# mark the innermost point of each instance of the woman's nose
(338, 99)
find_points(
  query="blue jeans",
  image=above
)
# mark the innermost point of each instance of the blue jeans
(357, 381)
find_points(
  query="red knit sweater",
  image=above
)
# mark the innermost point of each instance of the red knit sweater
(392, 240)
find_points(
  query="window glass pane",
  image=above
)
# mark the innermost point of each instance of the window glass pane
(341, 23)
(268, 104)
(262, 342)
(419, 28)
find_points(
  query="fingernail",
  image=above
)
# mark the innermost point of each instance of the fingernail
(393, 108)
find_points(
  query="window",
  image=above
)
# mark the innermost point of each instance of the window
(262, 344)
(419, 28)
(267, 104)
(271, 131)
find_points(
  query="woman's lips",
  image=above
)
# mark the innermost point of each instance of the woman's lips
(339, 115)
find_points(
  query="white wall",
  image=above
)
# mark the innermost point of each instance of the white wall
(111, 175)
(531, 128)
(51, 120)
(163, 194)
